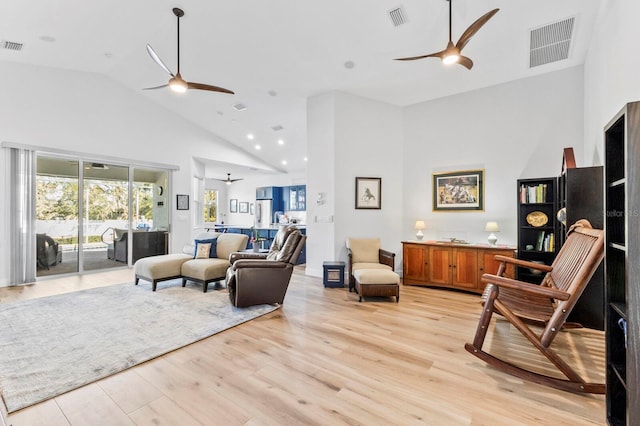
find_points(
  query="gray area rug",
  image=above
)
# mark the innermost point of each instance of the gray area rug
(54, 344)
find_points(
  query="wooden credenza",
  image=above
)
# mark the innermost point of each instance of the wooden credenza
(457, 266)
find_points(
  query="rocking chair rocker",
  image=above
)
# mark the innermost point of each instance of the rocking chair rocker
(548, 304)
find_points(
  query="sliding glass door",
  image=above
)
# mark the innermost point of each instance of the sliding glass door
(105, 208)
(83, 219)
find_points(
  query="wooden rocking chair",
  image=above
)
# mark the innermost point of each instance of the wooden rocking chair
(548, 304)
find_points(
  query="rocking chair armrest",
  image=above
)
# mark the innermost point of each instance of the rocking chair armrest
(524, 286)
(524, 263)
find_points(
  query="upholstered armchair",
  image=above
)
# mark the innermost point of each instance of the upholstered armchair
(257, 278)
(365, 253)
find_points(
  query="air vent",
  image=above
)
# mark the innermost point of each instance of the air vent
(239, 107)
(277, 128)
(11, 45)
(550, 43)
(397, 15)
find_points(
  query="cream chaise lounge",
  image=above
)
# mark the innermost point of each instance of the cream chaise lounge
(184, 265)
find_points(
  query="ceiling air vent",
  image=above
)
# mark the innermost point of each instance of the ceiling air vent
(397, 16)
(550, 43)
(239, 107)
(277, 128)
(11, 45)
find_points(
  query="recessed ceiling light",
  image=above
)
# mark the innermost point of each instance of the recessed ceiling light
(220, 113)
(272, 93)
(47, 38)
(280, 142)
(305, 158)
(250, 136)
(349, 65)
(258, 147)
(239, 107)
(108, 55)
(284, 162)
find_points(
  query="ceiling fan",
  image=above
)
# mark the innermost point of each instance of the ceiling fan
(176, 82)
(452, 54)
(228, 180)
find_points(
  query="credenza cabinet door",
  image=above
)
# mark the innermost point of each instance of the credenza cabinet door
(465, 268)
(416, 263)
(440, 265)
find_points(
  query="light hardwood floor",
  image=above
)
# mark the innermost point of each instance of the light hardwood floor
(326, 359)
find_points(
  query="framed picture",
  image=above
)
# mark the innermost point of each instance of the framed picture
(458, 191)
(182, 202)
(251, 208)
(244, 207)
(368, 193)
(233, 205)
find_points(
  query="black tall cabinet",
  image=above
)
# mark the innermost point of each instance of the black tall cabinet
(580, 193)
(622, 265)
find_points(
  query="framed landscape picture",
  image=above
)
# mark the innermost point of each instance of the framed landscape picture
(368, 193)
(458, 191)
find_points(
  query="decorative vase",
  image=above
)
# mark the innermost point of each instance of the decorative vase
(256, 247)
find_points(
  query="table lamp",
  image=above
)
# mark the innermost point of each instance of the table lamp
(492, 227)
(420, 226)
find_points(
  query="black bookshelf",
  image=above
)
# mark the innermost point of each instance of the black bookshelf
(622, 267)
(537, 225)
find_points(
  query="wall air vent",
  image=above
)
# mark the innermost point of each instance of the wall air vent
(239, 107)
(397, 15)
(277, 128)
(550, 43)
(11, 45)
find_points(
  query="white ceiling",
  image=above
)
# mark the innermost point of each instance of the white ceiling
(293, 49)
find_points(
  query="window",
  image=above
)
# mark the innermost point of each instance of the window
(210, 205)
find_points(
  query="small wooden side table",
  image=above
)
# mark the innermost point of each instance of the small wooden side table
(333, 274)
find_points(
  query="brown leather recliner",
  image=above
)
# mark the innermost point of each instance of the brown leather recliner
(257, 278)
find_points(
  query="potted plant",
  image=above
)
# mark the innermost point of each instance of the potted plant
(256, 240)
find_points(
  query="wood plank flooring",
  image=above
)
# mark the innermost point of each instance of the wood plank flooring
(325, 359)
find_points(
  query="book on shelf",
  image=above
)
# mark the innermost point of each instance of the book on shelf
(540, 242)
(533, 193)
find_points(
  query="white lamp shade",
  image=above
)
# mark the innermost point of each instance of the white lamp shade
(492, 227)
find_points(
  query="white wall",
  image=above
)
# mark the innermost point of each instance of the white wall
(611, 71)
(89, 113)
(321, 169)
(513, 130)
(350, 136)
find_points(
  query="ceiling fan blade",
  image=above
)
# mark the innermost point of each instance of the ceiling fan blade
(156, 87)
(430, 55)
(465, 62)
(157, 60)
(473, 28)
(201, 86)
(235, 180)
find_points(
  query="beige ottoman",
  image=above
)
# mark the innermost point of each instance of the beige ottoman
(377, 282)
(160, 268)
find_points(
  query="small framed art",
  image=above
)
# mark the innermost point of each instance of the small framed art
(368, 193)
(243, 207)
(233, 205)
(182, 202)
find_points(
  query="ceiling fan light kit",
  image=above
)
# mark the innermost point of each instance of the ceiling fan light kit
(176, 82)
(452, 54)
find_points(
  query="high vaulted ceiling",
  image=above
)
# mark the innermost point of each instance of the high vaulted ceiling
(276, 53)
